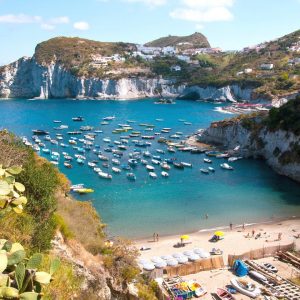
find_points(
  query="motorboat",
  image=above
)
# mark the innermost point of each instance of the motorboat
(67, 165)
(246, 288)
(204, 171)
(40, 132)
(144, 162)
(77, 186)
(116, 170)
(56, 121)
(165, 166)
(207, 160)
(115, 161)
(126, 167)
(156, 162)
(46, 150)
(185, 164)
(150, 168)
(160, 151)
(78, 119)
(84, 191)
(131, 176)
(91, 164)
(109, 118)
(107, 140)
(104, 175)
(178, 165)
(234, 158)
(103, 158)
(211, 169)
(152, 175)
(226, 166)
(164, 174)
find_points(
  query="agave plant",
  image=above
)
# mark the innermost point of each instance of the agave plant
(11, 191)
(19, 276)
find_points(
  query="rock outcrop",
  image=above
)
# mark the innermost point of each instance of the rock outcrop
(26, 78)
(279, 148)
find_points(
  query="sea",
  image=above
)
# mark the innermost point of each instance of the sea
(186, 201)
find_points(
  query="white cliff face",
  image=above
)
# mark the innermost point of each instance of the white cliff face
(277, 148)
(25, 78)
(230, 93)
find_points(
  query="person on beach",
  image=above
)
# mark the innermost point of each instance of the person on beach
(154, 237)
(279, 236)
(157, 237)
(253, 232)
(243, 226)
(230, 225)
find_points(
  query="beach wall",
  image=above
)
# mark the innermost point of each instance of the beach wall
(212, 263)
(279, 148)
(260, 253)
(25, 78)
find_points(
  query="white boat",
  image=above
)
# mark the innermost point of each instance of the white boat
(97, 169)
(103, 157)
(91, 164)
(107, 140)
(115, 161)
(104, 175)
(46, 150)
(150, 168)
(205, 171)
(234, 158)
(160, 151)
(269, 267)
(226, 166)
(131, 176)
(152, 175)
(245, 287)
(147, 154)
(109, 118)
(211, 169)
(207, 160)
(164, 174)
(156, 162)
(185, 164)
(144, 162)
(165, 166)
(116, 170)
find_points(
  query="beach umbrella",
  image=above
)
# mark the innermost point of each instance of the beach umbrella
(185, 237)
(182, 259)
(156, 259)
(160, 265)
(194, 257)
(188, 253)
(172, 262)
(219, 233)
(166, 257)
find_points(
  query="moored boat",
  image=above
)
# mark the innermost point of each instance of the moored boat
(164, 174)
(131, 176)
(226, 166)
(104, 175)
(152, 175)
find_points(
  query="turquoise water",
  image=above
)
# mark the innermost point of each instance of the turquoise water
(250, 193)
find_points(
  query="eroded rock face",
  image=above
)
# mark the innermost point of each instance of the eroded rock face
(26, 78)
(278, 148)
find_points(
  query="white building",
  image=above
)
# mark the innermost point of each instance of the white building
(169, 50)
(184, 58)
(267, 66)
(175, 68)
(248, 70)
(149, 50)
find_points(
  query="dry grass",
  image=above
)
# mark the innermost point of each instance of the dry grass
(82, 221)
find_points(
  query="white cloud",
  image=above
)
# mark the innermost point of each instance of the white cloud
(19, 19)
(207, 3)
(27, 19)
(81, 25)
(151, 3)
(204, 10)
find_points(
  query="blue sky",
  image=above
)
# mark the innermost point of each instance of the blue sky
(229, 24)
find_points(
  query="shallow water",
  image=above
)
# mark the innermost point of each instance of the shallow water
(250, 193)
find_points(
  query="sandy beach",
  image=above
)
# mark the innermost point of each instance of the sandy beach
(234, 242)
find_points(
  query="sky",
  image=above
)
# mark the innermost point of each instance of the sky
(229, 24)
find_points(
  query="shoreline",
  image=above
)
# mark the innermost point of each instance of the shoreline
(224, 228)
(237, 241)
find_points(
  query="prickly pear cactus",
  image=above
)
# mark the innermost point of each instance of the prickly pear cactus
(19, 275)
(11, 191)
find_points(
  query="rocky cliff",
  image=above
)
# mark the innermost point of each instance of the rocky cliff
(280, 148)
(26, 78)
